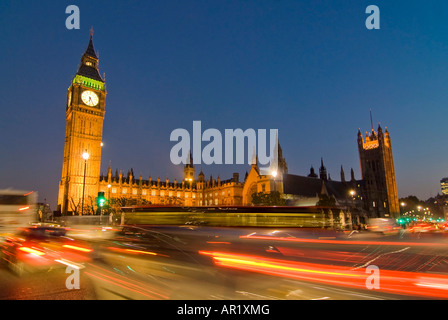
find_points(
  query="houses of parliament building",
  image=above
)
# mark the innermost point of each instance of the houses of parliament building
(82, 180)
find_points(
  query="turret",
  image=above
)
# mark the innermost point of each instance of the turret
(189, 168)
(322, 170)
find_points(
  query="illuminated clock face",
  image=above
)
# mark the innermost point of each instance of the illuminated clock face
(90, 98)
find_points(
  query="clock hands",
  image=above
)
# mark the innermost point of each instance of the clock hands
(90, 98)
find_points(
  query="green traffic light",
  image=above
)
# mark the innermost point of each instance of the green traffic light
(101, 199)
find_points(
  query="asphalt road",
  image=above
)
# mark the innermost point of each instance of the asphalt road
(200, 263)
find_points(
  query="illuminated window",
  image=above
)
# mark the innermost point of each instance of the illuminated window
(134, 191)
(114, 190)
(153, 192)
(162, 193)
(124, 191)
(144, 192)
(178, 194)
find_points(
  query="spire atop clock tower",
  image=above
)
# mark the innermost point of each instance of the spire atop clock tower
(89, 62)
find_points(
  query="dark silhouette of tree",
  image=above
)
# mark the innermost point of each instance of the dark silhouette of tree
(268, 199)
(326, 201)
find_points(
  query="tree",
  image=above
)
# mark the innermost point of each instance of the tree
(326, 201)
(74, 206)
(268, 199)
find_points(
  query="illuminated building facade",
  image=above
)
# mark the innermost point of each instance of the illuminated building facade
(444, 185)
(188, 192)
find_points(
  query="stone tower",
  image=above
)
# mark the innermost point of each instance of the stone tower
(189, 169)
(85, 109)
(378, 174)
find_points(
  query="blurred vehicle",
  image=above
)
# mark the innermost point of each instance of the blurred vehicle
(383, 225)
(444, 226)
(17, 210)
(146, 241)
(423, 227)
(43, 247)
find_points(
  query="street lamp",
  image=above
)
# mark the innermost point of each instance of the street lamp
(352, 209)
(85, 156)
(352, 194)
(274, 174)
(108, 194)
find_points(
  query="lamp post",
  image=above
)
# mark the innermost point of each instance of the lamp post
(85, 156)
(108, 196)
(352, 194)
(274, 174)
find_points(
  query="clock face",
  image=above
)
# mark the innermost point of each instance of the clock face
(90, 98)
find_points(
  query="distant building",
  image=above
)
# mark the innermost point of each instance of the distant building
(444, 185)
(43, 211)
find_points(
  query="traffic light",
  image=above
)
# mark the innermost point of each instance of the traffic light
(101, 199)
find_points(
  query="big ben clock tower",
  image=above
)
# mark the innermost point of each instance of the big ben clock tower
(86, 102)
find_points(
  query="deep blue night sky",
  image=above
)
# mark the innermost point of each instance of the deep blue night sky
(310, 69)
